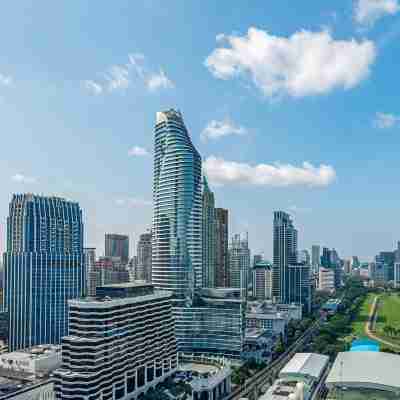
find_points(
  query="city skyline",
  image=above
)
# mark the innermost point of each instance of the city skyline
(83, 129)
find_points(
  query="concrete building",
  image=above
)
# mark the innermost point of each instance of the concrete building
(299, 378)
(326, 280)
(117, 246)
(258, 345)
(364, 375)
(222, 255)
(120, 344)
(208, 236)
(143, 260)
(315, 257)
(262, 280)
(285, 254)
(44, 267)
(239, 263)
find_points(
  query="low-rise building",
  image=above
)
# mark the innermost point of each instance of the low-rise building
(258, 345)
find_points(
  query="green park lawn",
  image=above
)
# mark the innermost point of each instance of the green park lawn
(358, 324)
(388, 314)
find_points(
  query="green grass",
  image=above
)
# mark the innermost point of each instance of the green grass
(388, 314)
(358, 324)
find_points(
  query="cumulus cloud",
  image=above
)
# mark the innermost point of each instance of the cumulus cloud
(220, 172)
(6, 80)
(218, 129)
(93, 87)
(121, 77)
(306, 63)
(385, 120)
(137, 151)
(133, 202)
(20, 178)
(367, 12)
(159, 81)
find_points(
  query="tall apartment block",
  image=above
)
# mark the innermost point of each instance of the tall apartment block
(120, 344)
(239, 263)
(262, 280)
(143, 254)
(222, 254)
(117, 246)
(44, 267)
(208, 236)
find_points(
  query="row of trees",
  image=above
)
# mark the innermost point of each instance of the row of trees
(389, 330)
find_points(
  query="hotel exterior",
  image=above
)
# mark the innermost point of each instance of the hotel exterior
(120, 344)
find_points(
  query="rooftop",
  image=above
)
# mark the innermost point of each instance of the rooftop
(309, 365)
(366, 369)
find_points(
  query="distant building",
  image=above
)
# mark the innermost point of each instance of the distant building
(355, 262)
(44, 267)
(300, 285)
(140, 349)
(347, 267)
(222, 255)
(315, 257)
(397, 275)
(262, 280)
(257, 258)
(143, 262)
(304, 257)
(90, 260)
(117, 246)
(285, 254)
(208, 236)
(239, 263)
(326, 279)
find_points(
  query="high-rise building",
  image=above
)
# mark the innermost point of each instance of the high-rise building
(222, 255)
(262, 280)
(397, 275)
(120, 344)
(44, 267)
(143, 251)
(326, 279)
(257, 258)
(117, 246)
(208, 236)
(177, 217)
(285, 254)
(304, 257)
(300, 285)
(90, 260)
(315, 257)
(239, 263)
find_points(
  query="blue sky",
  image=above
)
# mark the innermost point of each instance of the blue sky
(264, 87)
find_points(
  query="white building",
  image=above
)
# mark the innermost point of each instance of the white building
(326, 279)
(120, 344)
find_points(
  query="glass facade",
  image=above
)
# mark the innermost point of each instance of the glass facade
(44, 267)
(117, 246)
(177, 217)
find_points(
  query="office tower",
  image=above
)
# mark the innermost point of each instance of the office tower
(397, 275)
(177, 219)
(129, 347)
(397, 253)
(326, 258)
(257, 258)
(90, 260)
(143, 251)
(214, 324)
(355, 263)
(107, 271)
(315, 257)
(44, 267)
(222, 256)
(326, 279)
(262, 280)
(304, 257)
(347, 267)
(387, 260)
(208, 236)
(285, 254)
(239, 263)
(299, 285)
(117, 246)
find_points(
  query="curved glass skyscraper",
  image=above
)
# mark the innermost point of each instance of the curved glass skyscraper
(177, 217)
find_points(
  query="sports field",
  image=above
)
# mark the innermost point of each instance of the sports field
(389, 315)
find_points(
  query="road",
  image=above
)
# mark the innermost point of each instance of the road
(262, 377)
(373, 313)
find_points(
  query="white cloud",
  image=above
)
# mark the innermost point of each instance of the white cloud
(137, 151)
(6, 80)
(159, 81)
(93, 87)
(20, 178)
(306, 63)
(367, 12)
(220, 172)
(133, 202)
(121, 77)
(385, 120)
(217, 129)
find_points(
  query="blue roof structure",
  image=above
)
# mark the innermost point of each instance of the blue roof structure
(364, 345)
